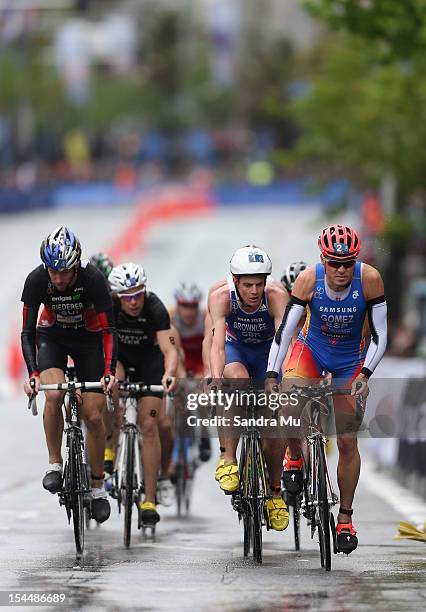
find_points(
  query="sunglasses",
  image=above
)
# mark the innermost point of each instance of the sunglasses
(335, 263)
(128, 297)
(188, 305)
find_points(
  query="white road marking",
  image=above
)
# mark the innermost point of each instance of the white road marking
(400, 498)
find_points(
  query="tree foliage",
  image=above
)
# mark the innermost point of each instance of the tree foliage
(399, 25)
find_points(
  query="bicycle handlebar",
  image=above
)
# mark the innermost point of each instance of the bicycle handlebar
(138, 387)
(319, 391)
(67, 386)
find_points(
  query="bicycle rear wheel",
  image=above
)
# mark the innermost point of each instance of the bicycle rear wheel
(180, 487)
(294, 502)
(76, 491)
(323, 509)
(256, 502)
(129, 485)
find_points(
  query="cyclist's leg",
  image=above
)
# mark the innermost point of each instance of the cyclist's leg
(238, 371)
(52, 417)
(112, 423)
(349, 463)
(302, 369)
(228, 476)
(148, 409)
(52, 359)
(167, 436)
(257, 358)
(89, 362)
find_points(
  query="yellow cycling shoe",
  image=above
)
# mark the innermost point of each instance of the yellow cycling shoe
(277, 513)
(148, 512)
(109, 454)
(229, 480)
(218, 471)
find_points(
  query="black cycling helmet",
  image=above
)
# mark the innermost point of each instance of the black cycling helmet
(103, 263)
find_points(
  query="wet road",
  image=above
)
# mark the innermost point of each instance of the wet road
(196, 563)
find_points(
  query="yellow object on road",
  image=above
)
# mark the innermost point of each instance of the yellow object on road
(407, 531)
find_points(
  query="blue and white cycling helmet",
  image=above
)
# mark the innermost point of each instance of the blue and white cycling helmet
(61, 250)
(250, 260)
(126, 276)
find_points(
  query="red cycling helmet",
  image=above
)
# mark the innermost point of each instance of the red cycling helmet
(339, 242)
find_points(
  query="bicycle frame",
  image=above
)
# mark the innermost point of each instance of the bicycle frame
(129, 423)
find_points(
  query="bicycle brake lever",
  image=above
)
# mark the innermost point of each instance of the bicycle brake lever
(32, 405)
(170, 400)
(32, 401)
(109, 403)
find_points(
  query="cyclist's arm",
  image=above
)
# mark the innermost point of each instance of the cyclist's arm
(302, 293)
(374, 293)
(277, 302)
(181, 371)
(28, 338)
(167, 343)
(103, 305)
(218, 307)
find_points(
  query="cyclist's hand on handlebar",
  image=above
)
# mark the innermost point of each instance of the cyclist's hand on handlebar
(108, 382)
(360, 386)
(212, 384)
(272, 386)
(168, 382)
(31, 386)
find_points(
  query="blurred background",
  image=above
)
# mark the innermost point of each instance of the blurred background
(175, 131)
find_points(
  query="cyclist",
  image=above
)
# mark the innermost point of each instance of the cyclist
(189, 320)
(245, 312)
(111, 420)
(290, 274)
(339, 294)
(76, 321)
(103, 263)
(145, 343)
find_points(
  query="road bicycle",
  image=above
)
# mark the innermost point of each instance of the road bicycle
(75, 490)
(318, 496)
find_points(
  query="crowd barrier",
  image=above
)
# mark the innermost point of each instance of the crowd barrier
(411, 455)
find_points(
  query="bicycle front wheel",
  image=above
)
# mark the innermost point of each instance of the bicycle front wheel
(245, 509)
(323, 509)
(76, 492)
(129, 485)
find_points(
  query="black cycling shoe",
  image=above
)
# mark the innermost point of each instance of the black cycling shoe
(53, 481)
(109, 467)
(148, 514)
(346, 538)
(293, 481)
(100, 509)
(204, 449)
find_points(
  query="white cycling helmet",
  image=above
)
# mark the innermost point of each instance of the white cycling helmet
(126, 276)
(250, 260)
(188, 294)
(291, 273)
